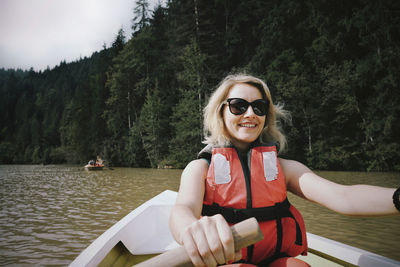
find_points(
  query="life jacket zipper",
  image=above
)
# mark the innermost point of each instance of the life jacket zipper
(247, 177)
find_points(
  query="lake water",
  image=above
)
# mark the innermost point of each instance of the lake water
(49, 214)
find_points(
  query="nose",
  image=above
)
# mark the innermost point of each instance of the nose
(249, 112)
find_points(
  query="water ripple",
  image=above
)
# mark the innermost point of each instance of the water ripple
(49, 214)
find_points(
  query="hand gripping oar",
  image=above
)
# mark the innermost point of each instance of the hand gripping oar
(244, 233)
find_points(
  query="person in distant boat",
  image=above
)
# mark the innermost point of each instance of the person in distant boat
(99, 161)
(239, 175)
(91, 162)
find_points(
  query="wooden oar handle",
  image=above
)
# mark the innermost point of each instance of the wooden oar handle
(244, 233)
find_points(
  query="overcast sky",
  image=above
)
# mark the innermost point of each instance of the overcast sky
(41, 33)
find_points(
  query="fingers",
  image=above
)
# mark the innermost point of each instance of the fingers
(203, 244)
(211, 226)
(209, 241)
(226, 237)
(189, 242)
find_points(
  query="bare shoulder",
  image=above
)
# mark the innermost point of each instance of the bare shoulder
(191, 189)
(193, 176)
(303, 182)
(196, 167)
(292, 167)
(293, 172)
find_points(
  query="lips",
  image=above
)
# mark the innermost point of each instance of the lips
(248, 125)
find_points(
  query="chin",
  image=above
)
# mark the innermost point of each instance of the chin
(247, 139)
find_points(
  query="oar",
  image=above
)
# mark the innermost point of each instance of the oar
(244, 233)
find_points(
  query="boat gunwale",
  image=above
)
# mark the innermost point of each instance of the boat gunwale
(102, 245)
(325, 248)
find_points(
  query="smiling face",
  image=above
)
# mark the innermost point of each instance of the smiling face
(246, 128)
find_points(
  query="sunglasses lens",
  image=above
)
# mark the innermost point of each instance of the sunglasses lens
(259, 107)
(238, 106)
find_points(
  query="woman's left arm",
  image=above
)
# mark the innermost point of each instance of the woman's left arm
(357, 200)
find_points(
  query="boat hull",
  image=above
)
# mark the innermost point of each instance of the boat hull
(144, 233)
(94, 168)
(121, 256)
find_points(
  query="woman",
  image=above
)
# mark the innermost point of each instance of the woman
(238, 175)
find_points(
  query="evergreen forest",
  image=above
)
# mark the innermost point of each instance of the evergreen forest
(335, 65)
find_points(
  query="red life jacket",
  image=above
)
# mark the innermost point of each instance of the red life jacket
(237, 192)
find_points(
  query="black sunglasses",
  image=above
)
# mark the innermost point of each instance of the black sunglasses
(238, 106)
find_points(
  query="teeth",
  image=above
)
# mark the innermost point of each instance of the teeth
(248, 125)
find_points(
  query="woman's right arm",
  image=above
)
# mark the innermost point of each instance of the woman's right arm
(207, 240)
(189, 202)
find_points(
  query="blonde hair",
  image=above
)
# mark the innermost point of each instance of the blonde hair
(214, 127)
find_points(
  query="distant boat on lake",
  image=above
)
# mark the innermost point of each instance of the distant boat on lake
(95, 165)
(94, 168)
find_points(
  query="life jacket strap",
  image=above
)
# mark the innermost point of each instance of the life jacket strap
(276, 212)
(232, 215)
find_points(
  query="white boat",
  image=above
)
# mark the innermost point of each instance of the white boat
(144, 233)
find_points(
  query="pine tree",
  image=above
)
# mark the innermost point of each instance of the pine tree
(187, 116)
(141, 12)
(149, 126)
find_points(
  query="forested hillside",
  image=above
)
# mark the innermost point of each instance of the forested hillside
(335, 65)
